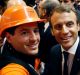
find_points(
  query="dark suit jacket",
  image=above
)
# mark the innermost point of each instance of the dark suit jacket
(54, 66)
(47, 42)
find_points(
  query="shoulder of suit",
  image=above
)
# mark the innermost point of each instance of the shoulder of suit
(13, 69)
(55, 48)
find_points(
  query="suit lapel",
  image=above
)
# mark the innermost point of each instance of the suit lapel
(76, 62)
(57, 62)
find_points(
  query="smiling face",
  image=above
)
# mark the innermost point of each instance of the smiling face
(65, 28)
(25, 39)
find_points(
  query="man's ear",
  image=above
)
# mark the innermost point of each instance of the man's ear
(52, 32)
(78, 26)
(8, 36)
(44, 12)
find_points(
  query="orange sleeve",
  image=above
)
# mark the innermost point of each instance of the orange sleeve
(14, 69)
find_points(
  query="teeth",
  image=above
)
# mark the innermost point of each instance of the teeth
(34, 49)
(66, 38)
(32, 46)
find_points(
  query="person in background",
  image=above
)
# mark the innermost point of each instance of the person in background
(36, 4)
(15, 2)
(68, 3)
(19, 25)
(44, 8)
(2, 6)
(64, 57)
(77, 8)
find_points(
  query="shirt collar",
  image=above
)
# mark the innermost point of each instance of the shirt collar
(73, 49)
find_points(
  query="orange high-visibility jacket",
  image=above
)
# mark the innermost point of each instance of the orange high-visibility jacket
(17, 69)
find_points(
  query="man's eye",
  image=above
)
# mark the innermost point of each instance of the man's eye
(58, 27)
(70, 24)
(36, 30)
(24, 33)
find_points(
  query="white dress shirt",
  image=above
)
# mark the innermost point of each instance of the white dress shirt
(71, 52)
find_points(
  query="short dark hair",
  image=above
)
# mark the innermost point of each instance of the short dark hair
(10, 30)
(48, 5)
(62, 8)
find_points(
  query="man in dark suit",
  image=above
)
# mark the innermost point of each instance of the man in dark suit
(47, 40)
(65, 27)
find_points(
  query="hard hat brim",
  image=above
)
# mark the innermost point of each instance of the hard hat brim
(18, 23)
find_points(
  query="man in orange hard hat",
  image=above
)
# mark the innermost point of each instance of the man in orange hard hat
(20, 26)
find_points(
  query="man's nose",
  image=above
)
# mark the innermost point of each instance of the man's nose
(65, 29)
(32, 36)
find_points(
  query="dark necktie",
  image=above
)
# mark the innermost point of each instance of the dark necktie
(65, 70)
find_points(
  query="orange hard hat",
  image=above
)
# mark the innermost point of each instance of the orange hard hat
(17, 15)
